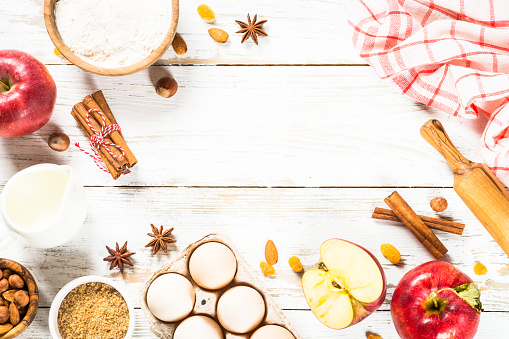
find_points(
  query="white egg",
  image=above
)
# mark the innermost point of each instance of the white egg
(170, 297)
(198, 327)
(272, 332)
(240, 309)
(212, 265)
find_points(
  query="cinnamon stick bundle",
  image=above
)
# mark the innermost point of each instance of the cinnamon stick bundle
(434, 223)
(117, 164)
(412, 221)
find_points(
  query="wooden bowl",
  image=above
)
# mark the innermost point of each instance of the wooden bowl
(51, 27)
(33, 293)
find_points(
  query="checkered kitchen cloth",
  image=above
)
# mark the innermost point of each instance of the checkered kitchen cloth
(452, 55)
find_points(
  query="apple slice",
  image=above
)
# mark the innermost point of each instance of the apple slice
(348, 284)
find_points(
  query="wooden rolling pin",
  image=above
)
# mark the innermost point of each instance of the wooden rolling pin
(476, 185)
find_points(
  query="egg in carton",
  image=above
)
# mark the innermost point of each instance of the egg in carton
(206, 300)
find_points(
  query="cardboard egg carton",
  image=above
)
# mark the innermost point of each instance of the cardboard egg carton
(206, 300)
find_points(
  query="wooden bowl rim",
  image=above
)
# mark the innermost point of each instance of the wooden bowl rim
(54, 34)
(33, 293)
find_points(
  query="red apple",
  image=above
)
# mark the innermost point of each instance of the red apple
(348, 285)
(27, 94)
(436, 300)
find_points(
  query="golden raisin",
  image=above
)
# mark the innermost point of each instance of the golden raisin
(206, 13)
(57, 52)
(295, 264)
(391, 253)
(267, 269)
(480, 269)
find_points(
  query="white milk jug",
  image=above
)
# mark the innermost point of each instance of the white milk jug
(43, 205)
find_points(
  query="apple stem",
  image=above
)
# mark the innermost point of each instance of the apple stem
(3, 84)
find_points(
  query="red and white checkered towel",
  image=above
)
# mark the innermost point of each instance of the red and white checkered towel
(452, 55)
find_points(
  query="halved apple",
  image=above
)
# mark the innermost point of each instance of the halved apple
(348, 284)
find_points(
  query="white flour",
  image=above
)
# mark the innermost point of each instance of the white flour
(113, 33)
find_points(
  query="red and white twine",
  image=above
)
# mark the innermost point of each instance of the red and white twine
(97, 140)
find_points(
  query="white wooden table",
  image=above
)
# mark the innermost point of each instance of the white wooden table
(296, 140)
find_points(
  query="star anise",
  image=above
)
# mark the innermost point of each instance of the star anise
(119, 257)
(251, 29)
(160, 239)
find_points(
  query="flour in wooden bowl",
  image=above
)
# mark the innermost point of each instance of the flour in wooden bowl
(113, 33)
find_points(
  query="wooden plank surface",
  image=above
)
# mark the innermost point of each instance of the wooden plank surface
(254, 126)
(300, 32)
(297, 219)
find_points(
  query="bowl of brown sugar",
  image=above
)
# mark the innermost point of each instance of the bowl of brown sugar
(91, 307)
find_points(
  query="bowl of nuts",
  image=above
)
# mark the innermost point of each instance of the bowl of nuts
(19, 299)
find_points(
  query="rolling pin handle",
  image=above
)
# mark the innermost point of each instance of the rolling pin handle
(433, 132)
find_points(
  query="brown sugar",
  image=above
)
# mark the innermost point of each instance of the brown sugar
(93, 310)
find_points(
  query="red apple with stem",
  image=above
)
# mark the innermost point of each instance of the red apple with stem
(27, 94)
(436, 300)
(348, 284)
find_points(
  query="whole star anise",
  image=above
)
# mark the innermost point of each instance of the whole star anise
(160, 239)
(251, 29)
(119, 257)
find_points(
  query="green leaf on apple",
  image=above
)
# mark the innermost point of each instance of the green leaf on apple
(471, 294)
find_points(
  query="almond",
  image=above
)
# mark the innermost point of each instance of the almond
(179, 45)
(16, 281)
(9, 295)
(4, 328)
(271, 253)
(14, 314)
(218, 35)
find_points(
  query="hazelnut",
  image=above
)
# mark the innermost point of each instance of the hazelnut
(59, 141)
(4, 285)
(14, 314)
(438, 204)
(166, 87)
(4, 314)
(16, 281)
(7, 273)
(21, 298)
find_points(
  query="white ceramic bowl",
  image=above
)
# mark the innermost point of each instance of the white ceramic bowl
(55, 305)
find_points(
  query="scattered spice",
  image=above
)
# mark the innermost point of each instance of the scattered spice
(166, 87)
(119, 257)
(435, 223)
(160, 239)
(438, 204)
(59, 141)
(179, 45)
(251, 29)
(480, 269)
(93, 310)
(218, 35)
(391, 253)
(412, 221)
(295, 264)
(206, 13)
(267, 269)
(271, 255)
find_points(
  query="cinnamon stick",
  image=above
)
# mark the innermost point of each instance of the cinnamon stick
(412, 221)
(118, 161)
(434, 223)
(117, 137)
(107, 158)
